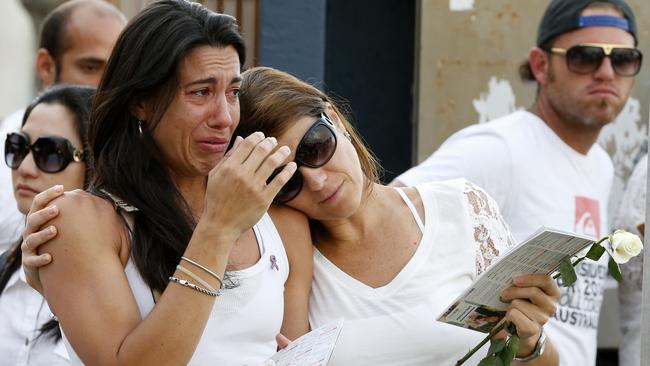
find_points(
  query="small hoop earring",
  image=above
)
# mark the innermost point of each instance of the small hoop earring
(140, 127)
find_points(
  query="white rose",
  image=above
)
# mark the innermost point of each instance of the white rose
(625, 246)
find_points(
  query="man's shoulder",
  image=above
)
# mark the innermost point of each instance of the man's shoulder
(509, 129)
(598, 152)
(478, 152)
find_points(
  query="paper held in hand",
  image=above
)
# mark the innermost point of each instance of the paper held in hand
(314, 348)
(479, 307)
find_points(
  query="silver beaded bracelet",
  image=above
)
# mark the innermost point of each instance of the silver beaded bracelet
(194, 287)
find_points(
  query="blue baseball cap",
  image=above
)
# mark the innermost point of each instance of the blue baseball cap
(563, 16)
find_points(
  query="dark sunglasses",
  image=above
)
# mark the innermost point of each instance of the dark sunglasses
(587, 58)
(315, 149)
(51, 154)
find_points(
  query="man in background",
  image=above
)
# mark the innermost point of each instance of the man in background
(542, 165)
(631, 217)
(76, 40)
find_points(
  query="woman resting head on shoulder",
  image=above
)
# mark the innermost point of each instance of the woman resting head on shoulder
(50, 149)
(173, 239)
(388, 261)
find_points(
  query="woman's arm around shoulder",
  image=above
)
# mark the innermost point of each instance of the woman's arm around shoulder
(87, 288)
(85, 284)
(296, 237)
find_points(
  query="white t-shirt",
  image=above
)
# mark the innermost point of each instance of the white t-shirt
(631, 214)
(22, 312)
(11, 220)
(537, 179)
(396, 324)
(245, 319)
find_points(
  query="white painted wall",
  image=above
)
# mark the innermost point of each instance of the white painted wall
(461, 5)
(499, 100)
(16, 57)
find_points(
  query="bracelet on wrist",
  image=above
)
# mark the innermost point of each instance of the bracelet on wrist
(538, 351)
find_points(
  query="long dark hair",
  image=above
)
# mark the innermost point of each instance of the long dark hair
(144, 67)
(76, 99)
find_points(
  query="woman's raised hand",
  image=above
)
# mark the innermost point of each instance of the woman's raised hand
(33, 236)
(237, 193)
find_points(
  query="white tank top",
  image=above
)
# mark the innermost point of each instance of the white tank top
(396, 324)
(245, 319)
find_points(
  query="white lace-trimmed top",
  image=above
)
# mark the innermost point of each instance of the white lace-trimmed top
(395, 324)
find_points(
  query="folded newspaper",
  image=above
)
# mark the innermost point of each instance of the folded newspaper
(313, 349)
(479, 307)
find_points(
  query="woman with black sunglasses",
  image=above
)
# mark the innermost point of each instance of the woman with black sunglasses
(49, 150)
(387, 260)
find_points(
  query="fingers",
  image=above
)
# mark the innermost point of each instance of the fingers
(31, 260)
(37, 219)
(255, 142)
(538, 289)
(528, 318)
(281, 179)
(272, 162)
(39, 215)
(36, 261)
(533, 300)
(236, 143)
(261, 156)
(282, 341)
(42, 199)
(528, 330)
(30, 245)
(533, 295)
(260, 153)
(544, 282)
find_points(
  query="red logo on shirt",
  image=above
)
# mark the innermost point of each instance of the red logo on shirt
(587, 216)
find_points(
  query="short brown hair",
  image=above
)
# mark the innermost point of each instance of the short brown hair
(54, 33)
(271, 100)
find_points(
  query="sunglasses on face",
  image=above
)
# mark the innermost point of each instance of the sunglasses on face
(315, 149)
(587, 58)
(51, 154)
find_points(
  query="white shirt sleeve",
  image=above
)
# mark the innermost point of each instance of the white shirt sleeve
(477, 154)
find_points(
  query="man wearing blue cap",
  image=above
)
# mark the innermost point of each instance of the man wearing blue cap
(542, 165)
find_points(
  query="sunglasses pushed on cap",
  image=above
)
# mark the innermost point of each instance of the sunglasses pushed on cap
(315, 149)
(587, 58)
(51, 154)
